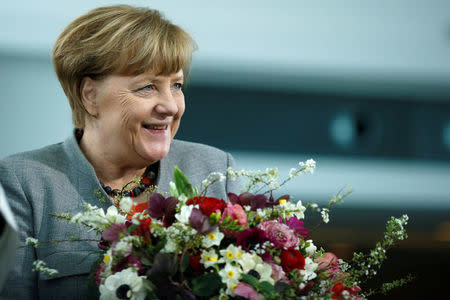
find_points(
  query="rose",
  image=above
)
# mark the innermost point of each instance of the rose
(279, 234)
(235, 212)
(143, 230)
(292, 259)
(328, 262)
(212, 205)
(208, 205)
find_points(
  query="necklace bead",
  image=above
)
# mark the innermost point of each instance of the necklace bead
(144, 183)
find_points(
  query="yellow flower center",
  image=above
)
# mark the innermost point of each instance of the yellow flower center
(282, 201)
(230, 273)
(230, 255)
(233, 287)
(212, 236)
(107, 258)
(213, 258)
(239, 255)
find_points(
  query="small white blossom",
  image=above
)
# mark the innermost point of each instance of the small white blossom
(32, 242)
(125, 204)
(310, 266)
(210, 258)
(41, 267)
(213, 238)
(325, 216)
(231, 253)
(311, 249)
(185, 213)
(124, 246)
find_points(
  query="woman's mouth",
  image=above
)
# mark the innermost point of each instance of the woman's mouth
(155, 127)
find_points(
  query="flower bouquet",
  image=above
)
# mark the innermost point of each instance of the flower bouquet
(190, 246)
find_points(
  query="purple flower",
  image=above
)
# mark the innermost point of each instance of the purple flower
(251, 237)
(161, 208)
(200, 222)
(280, 234)
(248, 199)
(112, 233)
(296, 225)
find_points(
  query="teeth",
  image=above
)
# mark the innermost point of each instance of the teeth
(155, 127)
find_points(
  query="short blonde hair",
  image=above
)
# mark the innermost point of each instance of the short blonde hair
(118, 39)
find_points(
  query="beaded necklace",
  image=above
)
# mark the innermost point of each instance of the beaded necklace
(146, 180)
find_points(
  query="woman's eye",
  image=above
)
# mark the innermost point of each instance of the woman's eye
(178, 86)
(148, 88)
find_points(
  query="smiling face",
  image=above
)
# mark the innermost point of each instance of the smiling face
(136, 117)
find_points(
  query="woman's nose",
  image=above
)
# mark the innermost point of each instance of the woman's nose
(167, 105)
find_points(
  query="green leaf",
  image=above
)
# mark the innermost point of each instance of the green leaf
(182, 183)
(266, 288)
(206, 285)
(173, 190)
(132, 228)
(185, 262)
(251, 280)
(281, 287)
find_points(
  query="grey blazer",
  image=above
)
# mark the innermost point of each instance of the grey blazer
(58, 178)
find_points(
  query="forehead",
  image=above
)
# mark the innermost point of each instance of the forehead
(153, 77)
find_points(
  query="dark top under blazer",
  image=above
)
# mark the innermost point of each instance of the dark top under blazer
(58, 178)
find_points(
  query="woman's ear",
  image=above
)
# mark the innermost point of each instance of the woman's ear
(89, 96)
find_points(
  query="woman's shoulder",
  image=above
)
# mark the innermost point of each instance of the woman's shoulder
(51, 156)
(195, 149)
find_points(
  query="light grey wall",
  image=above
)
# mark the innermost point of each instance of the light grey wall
(386, 48)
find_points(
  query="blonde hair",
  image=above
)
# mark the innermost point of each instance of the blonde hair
(121, 40)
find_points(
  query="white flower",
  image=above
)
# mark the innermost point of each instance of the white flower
(124, 246)
(210, 258)
(170, 246)
(308, 166)
(185, 213)
(254, 262)
(32, 242)
(41, 267)
(300, 210)
(325, 215)
(310, 266)
(213, 238)
(311, 249)
(231, 253)
(230, 274)
(126, 283)
(125, 204)
(113, 216)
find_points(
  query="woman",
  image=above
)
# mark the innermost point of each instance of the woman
(122, 69)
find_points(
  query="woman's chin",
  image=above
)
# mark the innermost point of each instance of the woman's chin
(155, 152)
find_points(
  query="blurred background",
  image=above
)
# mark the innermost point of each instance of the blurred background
(363, 87)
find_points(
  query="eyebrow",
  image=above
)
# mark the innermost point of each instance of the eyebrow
(154, 79)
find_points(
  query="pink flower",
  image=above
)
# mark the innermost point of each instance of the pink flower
(245, 291)
(278, 273)
(280, 235)
(328, 262)
(235, 212)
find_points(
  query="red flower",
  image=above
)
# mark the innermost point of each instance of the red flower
(338, 288)
(292, 259)
(196, 265)
(143, 230)
(208, 205)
